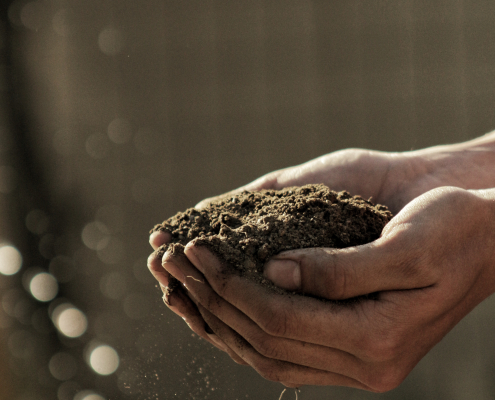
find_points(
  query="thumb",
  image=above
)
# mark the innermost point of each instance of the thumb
(345, 273)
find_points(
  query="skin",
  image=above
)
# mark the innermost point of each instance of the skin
(431, 266)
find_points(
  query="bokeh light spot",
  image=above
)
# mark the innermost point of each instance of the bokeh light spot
(68, 390)
(60, 23)
(37, 222)
(32, 15)
(10, 260)
(88, 395)
(112, 252)
(112, 216)
(113, 285)
(97, 146)
(70, 321)
(62, 366)
(43, 287)
(10, 299)
(111, 41)
(93, 396)
(104, 360)
(119, 131)
(21, 344)
(95, 235)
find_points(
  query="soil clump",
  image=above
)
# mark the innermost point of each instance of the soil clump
(246, 229)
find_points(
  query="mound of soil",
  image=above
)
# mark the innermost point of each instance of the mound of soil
(247, 229)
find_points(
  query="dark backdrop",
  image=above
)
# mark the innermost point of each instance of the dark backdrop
(125, 112)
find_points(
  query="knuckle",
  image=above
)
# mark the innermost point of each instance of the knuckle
(415, 266)
(333, 282)
(269, 348)
(220, 283)
(337, 281)
(268, 370)
(381, 347)
(386, 378)
(210, 302)
(274, 323)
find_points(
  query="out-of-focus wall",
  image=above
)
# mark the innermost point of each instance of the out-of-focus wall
(138, 109)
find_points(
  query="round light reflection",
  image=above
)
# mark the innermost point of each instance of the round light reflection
(37, 222)
(88, 395)
(104, 360)
(111, 41)
(10, 260)
(43, 287)
(70, 321)
(62, 366)
(60, 23)
(95, 235)
(119, 131)
(93, 397)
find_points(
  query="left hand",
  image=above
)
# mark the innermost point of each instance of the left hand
(431, 266)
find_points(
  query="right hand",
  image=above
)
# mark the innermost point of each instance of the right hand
(393, 179)
(432, 265)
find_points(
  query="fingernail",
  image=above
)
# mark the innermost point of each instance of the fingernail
(150, 259)
(285, 274)
(173, 269)
(157, 238)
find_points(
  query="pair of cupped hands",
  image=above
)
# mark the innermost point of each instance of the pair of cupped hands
(431, 266)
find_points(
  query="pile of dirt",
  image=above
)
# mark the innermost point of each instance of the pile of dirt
(247, 229)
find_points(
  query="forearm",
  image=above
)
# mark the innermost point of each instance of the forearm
(486, 247)
(468, 165)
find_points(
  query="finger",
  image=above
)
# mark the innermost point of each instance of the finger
(177, 301)
(385, 264)
(307, 354)
(156, 269)
(155, 266)
(341, 326)
(180, 303)
(275, 370)
(158, 238)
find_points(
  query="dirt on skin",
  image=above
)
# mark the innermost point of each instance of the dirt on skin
(247, 229)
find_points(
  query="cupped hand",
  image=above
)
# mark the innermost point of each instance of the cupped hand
(367, 173)
(431, 266)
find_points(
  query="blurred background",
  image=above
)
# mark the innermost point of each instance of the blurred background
(114, 115)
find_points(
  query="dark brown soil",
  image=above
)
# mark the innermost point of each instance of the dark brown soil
(247, 229)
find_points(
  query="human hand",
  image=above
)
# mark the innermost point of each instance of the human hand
(393, 179)
(361, 172)
(431, 266)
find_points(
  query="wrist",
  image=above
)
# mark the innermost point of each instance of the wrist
(486, 210)
(468, 165)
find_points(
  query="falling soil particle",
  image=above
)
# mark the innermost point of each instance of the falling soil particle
(247, 229)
